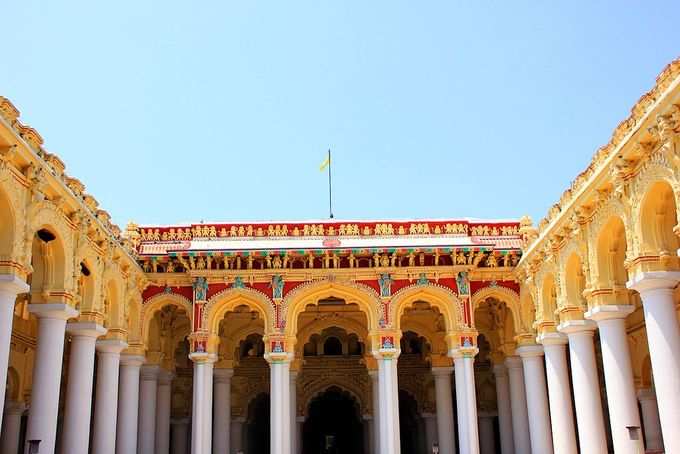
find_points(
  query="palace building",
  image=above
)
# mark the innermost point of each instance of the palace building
(347, 337)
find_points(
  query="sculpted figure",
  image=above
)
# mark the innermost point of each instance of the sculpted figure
(491, 260)
(351, 260)
(385, 282)
(411, 259)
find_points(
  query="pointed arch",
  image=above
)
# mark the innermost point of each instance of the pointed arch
(297, 300)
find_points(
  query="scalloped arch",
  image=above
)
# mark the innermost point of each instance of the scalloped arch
(228, 299)
(156, 303)
(436, 295)
(318, 388)
(508, 296)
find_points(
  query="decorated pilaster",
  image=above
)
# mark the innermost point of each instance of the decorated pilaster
(386, 355)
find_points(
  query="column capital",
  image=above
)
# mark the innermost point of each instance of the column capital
(203, 357)
(513, 362)
(12, 285)
(530, 351)
(463, 352)
(110, 345)
(552, 339)
(165, 377)
(58, 311)
(609, 312)
(577, 326)
(278, 357)
(646, 394)
(500, 370)
(654, 280)
(85, 329)
(14, 408)
(223, 375)
(127, 359)
(150, 372)
(442, 371)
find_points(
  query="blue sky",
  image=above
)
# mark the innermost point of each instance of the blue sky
(182, 111)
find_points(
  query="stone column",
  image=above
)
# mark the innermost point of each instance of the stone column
(504, 411)
(163, 411)
(148, 392)
(128, 403)
(10, 287)
(201, 431)
(279, 365)
(559, 393)
(78, 406)
(663, 335)
(466, 399)
(300, 421)
(106, 400)
(431, 435)
(618, 377)
(587, 399)
(388, 395)
(237, 435)
(445, 426)
(537, 398)
(650, 417)
(42, 416)
(518, 404)
(375, 391)
(487, 438)
(293, 411)
(222, 410)
(11, 427)
(180, 435)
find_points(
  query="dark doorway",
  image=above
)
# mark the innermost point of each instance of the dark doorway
(409, 424)
(333, 425)
(258, 425)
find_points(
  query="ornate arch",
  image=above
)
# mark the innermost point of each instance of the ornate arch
(310, 293)
(436, 295)
(228, 299)
(317, 326)
(437, 342)
(318, 387)
(508, 296)
(156, 303)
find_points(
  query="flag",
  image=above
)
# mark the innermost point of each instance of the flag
(325, 163)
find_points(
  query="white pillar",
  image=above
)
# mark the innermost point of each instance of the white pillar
(431, 435)
(222, 410)
(237, 435)
(163, 412)
(487, 438)
(106, 400)
(587, 399)
(466, 400)
(559, 393)
(11, 427)
(10, 287)
(518, 405)
(280, 403)
(445, 426)
(179, 429)
(201, 421)
(663, 335)
(375, 392)
(148, 393)
(650, 417)
(618, 377)
(78, 406)
(128, 403)
(292, 393)
(504, 411)
(388, 395)
(537, 398)
(42, 416)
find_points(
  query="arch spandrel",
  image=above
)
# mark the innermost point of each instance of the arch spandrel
(297, 300)
(445, 300)
(158, 302)
(227, 300)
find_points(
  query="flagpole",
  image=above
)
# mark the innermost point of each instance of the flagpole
(330, 187)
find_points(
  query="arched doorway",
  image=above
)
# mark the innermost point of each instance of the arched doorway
(258, 425)
(333, 425)
(409, 424)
